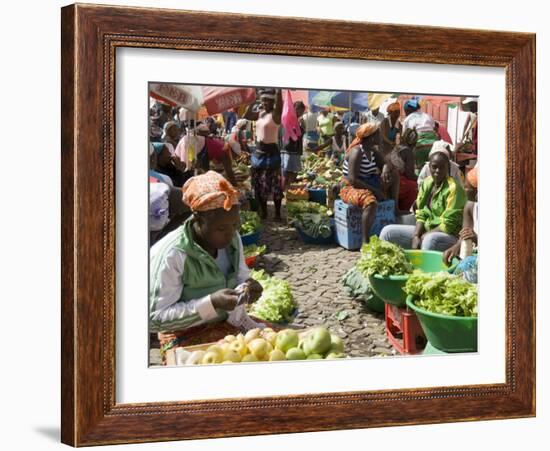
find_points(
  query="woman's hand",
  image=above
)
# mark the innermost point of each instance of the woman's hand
(451, 253)
(255, 290)
(225, 299)
(416, 242)
(467, 233)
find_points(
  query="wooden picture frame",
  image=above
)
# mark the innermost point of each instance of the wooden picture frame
(90, 36)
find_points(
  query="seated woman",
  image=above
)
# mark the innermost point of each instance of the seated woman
(400, 167)
(470, 223)
(195, 269)
(336, 145)
(440, 203)
(361, 183)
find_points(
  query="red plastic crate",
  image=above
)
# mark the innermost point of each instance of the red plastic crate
(403, 330)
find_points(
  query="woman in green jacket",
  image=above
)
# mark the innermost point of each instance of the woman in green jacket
(195, 270)
(440, 203)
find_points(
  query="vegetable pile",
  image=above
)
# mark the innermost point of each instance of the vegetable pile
(310, 217)
(321, 172)
(253, 251)
(303, 206)
(384, 258)
(276, 303)
(443, 293)
(250, 222)
(313, 224)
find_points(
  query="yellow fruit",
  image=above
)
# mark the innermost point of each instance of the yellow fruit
(276, 354)
(211, 357)
(266, 331)
(217, 349)
(270, 337)
(230, 338)
(232, 355)
(252, 334)
(259, 347)
(238, 346)
(249, 358)
(227, 361)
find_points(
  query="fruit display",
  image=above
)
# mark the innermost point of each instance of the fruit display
(276, 303)
(250, 222)
(266, 345)
(297, 192)
(320, 172)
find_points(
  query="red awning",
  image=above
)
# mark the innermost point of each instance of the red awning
(218, 100)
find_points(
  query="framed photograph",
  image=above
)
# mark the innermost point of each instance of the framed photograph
(176, 129)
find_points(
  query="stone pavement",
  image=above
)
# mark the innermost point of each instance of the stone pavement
(315, 273)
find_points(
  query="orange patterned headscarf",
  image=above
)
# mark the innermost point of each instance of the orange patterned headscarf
(208, 192)
(362, 132)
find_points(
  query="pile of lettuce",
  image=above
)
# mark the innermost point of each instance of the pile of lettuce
(384, 258)
(443, 293)
(313, 224)
(252, 250)
(310, 217)
(276, 303)
(250, 222)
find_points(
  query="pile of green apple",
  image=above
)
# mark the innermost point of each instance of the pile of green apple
(263, 345)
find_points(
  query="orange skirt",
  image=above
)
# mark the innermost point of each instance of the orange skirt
(361, 198)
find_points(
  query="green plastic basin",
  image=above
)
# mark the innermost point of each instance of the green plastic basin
(447, 333)
(390, 288)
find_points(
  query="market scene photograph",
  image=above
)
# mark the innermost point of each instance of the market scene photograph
(297, 224)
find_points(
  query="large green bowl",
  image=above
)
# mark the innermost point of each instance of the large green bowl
(447, 333)
(391, 288)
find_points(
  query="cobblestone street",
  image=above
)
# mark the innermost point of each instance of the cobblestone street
(315, 273)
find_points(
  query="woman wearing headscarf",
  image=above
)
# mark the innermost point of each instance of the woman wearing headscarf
(362, 185)
(237, 140)
(390, 127)
(425, 127)
(439, 203)
(470, 218)
(266, 157)
(195, 269)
